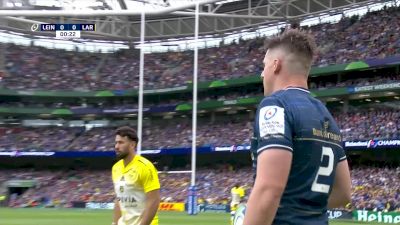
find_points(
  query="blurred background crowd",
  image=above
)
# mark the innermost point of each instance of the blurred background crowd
(30, 68)
(373, 188)
(225, 131)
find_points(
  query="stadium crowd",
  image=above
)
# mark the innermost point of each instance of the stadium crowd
(353, 81)
(360, 124)
(102, 138)
(373, 188)
(29, 68)
(365, 125)
(369, 79)
(376, 189)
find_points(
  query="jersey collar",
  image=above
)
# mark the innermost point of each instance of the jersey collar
(297, 88)
(130, 164)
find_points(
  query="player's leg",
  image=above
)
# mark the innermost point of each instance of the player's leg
(239, 214)
(233, 211)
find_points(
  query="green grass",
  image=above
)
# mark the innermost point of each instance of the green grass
(103, 217)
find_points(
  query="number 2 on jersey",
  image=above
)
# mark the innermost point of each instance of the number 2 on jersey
(324, 171)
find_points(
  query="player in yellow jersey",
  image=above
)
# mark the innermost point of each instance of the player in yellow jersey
(135, 181)
(237, 194)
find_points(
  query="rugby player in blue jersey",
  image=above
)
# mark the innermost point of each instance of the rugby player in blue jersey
(301, 167)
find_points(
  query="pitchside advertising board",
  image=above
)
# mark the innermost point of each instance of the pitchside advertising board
(378, 87)
(332, 214)
(380, 217)
(164, 206)
(357, 215)
(339, 214)
(348, 145)
(371, 144)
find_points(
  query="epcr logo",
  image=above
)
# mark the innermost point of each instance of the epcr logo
(372, 144)
(270, 113)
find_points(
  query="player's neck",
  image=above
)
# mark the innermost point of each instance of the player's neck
(293, 82)
(128, 159)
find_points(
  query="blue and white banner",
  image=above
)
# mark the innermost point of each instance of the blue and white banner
(371, 144)
(348, 145)
(376, 87)
(232, 148)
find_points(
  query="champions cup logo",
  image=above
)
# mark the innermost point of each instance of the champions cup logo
(35, 27)
(372, 144)
(270, 113)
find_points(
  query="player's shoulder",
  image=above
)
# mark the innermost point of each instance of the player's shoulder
(118, 164)
(143, 162)
(273, 104)
(270, 100)
(277, 98)
(117, 167)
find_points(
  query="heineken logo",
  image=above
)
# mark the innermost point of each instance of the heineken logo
(368, 216)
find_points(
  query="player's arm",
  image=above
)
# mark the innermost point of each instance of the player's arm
(273, 168)
(117, 212)
(152, 203)
(151, 186)
(341, 190)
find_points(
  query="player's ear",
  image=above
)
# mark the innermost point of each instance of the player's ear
(134, 144)
(277, 66)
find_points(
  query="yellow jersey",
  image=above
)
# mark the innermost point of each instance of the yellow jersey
(237, 194)
(131, 183)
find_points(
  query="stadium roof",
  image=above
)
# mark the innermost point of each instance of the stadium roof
(120, 19)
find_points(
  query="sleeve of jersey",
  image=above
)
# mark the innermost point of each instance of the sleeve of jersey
(149, 179)
(274, 126)
(241, 192)
(341, 154)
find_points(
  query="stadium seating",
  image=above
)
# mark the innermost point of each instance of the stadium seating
(359, 124)
(373, 188)
(372, 36)
(36, 68)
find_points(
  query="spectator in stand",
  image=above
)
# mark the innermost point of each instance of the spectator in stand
(373, 188)
(35, 68)
(357, 124)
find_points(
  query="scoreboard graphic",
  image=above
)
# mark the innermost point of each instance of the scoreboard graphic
(64, 31)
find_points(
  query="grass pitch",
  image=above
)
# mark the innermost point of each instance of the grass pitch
(103, 217)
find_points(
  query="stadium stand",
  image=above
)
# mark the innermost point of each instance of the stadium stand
(102, 139)
(373, 188)
(371, 36)
(365, 79)
(357, 124)
(36, 68)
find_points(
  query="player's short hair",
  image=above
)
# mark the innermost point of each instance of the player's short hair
(295, 41)
(128, 132)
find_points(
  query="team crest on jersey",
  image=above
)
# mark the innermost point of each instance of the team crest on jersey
(326, 125)
(133, 175)
(121, 189)
(271, 120)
